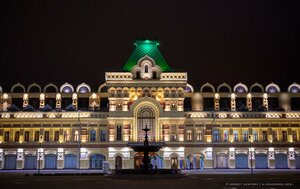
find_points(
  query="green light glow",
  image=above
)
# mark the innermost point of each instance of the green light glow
(149, 48)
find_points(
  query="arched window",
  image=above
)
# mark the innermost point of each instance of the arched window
(294, 88)
(67, 89)
(146, 69)
(83, 89)
(146, 118)
(272, 88)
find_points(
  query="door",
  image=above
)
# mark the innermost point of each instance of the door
(281, 161)
(221, 161)
(174, 162)
(241, 161)
(70, 161)
(96, 161)
(118, 162)
(50, 161)
(30, 162)
(261, 161)
(297, 161)
(10, 161)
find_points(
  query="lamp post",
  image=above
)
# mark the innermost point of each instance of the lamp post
(79, 139)
(250, 140)
(39, 155)
(212, 137)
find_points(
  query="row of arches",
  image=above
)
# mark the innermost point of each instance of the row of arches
(207, 87)
(242, 88)
(50, 161)
(52, 88)
(261, 161)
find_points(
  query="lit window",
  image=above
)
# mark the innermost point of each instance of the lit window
(76, 136)
(235, 136)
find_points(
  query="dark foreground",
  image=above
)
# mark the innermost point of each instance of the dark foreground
(264, 180)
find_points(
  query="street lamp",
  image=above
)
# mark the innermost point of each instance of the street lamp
(250, 140)
(79, 139)
(212, 138)
(39, 153)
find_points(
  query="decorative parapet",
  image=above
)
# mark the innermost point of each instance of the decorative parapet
(51, 115)
(173, 76)
(115, 76)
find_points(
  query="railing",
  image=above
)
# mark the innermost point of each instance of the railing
(234, 114)
(53, 114)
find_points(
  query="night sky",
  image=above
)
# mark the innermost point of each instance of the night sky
(214, 41)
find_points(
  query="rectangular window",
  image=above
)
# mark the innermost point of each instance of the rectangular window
(75, 137)
(17, 136)
(173, 137)
(47, 136)
(36, 136)
(284, 136)
(56, 136)
(216, 136)
(26, 137)
(119, 133)
(245, 136)
(83, 131)
(236, 136)
(84, 135)
(92, 135)
(274, 135)
(265, 136)
(66, 136)
(6, 136)
(255, 136)
(294, 135)
(225, 135)
(103, 135)
(189, 136)
(199, 135)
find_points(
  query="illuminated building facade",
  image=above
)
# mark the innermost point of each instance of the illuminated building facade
(68, 128)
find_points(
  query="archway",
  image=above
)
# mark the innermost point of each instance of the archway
(174, 161)
(261, 161)
(118, 162)
(96, 161)
(30, 162)
(70, 161)
(146, 118)
(221, 161)
(281, 161)
(50, 161)
(241, 161)
(138, 160)
(10, 161)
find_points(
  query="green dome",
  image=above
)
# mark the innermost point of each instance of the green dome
(149, 48)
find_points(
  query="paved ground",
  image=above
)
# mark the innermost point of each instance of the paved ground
(224, 179)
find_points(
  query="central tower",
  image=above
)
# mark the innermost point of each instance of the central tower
(142, 92)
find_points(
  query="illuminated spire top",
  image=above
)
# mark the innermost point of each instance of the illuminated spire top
(149, 48)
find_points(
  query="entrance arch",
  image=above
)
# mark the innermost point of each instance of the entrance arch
(174, 161)
(136, 109)
(118, 162)
(146, 118)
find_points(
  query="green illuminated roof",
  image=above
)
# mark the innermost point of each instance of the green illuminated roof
(149, 48)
